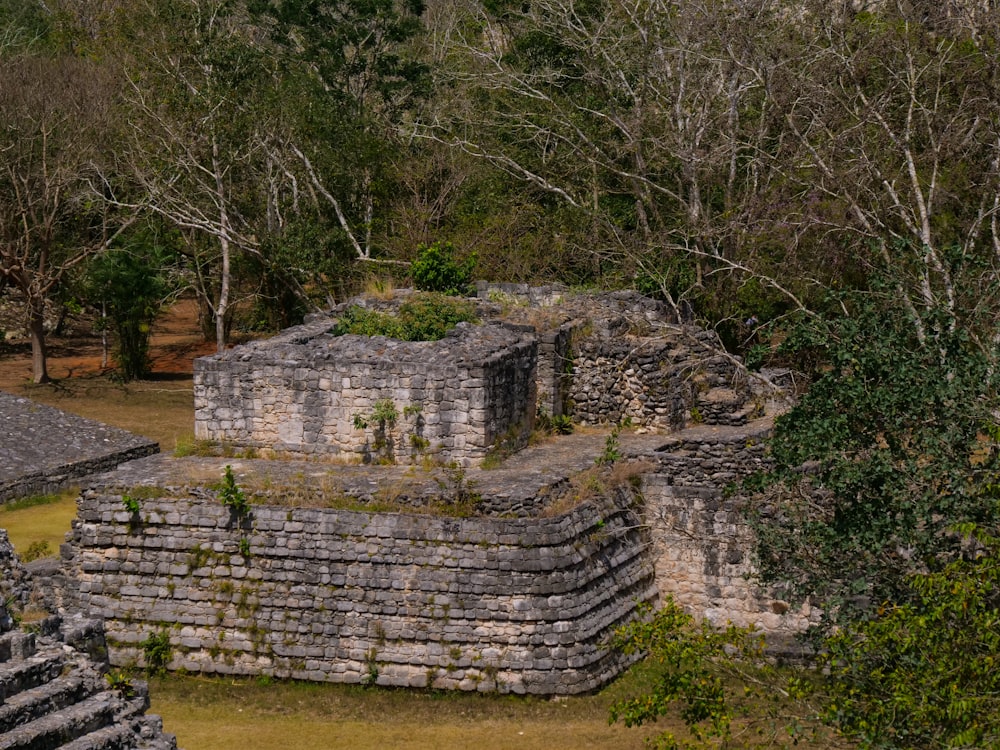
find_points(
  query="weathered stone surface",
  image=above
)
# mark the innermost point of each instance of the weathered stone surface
(700, 541)
(520, 597)
(519, 605)
(43, 449)
(306, 391)
(52, 688)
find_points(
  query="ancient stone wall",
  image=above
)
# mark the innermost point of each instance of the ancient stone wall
(701, 542)
(520, 605)
(52, 688)
(613, 356)
(309, 392)
(15, 581)
(554, 375)
(668, 380)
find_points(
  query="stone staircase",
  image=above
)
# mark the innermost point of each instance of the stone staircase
(53, 695)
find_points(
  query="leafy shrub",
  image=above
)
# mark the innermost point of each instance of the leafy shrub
(231, 495)
(429, 317)
(119, 681)
(361, 321)
(922, 674)
(157, 652)
(423, 317)
(131, 504)
(36, 551)
(436, 270)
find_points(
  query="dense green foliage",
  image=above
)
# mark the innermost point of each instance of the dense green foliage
(894, 432)
(437, 270)
(130, 285)
(422, 317)
(923, 674)
(157, 652)
(716, 681)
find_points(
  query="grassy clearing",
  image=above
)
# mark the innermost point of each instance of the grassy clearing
(39, 520)
(162, 410)
(216, 714)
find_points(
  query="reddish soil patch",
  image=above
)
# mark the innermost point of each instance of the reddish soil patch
(160, 407)
(175, 342)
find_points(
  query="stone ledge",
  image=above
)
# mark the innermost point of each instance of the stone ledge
(44, 449)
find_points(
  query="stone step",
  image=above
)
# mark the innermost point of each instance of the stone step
(16, 645)
(116, 737)
(25, 674)
(31, 704)
(151, 734)
(63, 726)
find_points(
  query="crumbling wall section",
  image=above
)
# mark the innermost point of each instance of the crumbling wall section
(677, 377)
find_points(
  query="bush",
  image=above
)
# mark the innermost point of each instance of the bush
(130, 285)
(436, 270)
(36, 551)
(157, 651)
(922, 674)
(429, 317)
(423, 317)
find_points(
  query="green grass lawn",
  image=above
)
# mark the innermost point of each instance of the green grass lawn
(37, 521)
(220, 714)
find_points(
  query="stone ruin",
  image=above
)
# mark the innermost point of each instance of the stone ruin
(301, 391)
(600, 358)
(517, 578)
(53, 693)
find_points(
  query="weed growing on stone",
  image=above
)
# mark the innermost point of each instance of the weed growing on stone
(120, 681)
(560, 424)
(423, 317)
(612, 448)
(131, 504)
(157, 652)
(458, 492)
(198, 557)
(370, 677)
(231, 495)
(191, 446)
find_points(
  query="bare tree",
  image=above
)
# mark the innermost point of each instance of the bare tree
(54, 116)
(194, 145)
(892, 154)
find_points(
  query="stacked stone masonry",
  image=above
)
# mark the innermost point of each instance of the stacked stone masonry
(598, 358)
(43, 449)
(519, 605)
(608, 357)
(310, 392)
(701, 540)
(53, 693)
(520, 598)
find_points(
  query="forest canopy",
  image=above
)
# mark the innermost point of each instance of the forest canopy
(829, 170)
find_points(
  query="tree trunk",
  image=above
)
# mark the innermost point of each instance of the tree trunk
(223, 306)
(36, 325)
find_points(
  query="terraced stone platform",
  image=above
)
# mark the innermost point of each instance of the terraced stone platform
(43, 449)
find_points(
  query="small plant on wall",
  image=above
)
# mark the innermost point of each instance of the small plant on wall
(382, 421)
(157, 652)
(231, 495)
